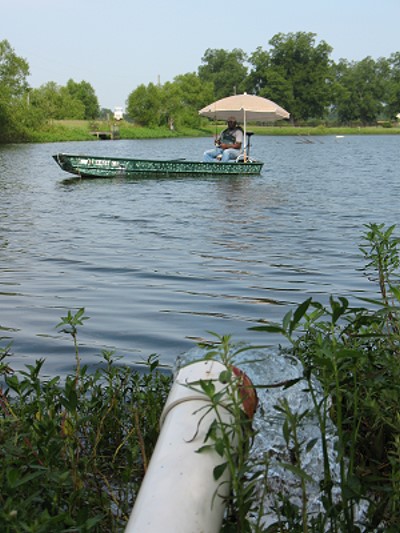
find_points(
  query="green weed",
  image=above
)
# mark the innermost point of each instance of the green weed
(354, 354)
(349, 356)
(230, 436)
(73, 454)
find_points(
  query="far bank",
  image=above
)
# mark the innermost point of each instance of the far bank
(83, 130)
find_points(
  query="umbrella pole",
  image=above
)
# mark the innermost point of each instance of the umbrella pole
(244, 137)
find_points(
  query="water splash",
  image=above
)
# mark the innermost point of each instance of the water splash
(267, 367)
(273, 368)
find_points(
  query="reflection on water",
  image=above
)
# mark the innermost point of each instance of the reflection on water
(156, 262)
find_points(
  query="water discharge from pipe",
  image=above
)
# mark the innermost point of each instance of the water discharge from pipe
(278, 380)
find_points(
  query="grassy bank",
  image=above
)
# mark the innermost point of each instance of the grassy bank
(81, 130)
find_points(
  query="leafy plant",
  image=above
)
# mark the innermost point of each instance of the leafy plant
(73, 453)
(353, 352)
(230, 439)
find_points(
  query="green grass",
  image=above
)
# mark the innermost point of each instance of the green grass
(80, 130)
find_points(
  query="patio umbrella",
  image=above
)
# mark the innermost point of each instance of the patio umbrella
(244, 107)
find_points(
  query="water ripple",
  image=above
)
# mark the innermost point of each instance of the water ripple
(158, 262)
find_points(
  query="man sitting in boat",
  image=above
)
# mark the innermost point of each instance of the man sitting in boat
(227, 145)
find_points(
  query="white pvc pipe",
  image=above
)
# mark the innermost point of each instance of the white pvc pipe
(177, 494)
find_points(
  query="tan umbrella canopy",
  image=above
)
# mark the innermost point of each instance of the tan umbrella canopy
(245, 107)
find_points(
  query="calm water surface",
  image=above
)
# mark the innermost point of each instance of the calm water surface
(158, 262)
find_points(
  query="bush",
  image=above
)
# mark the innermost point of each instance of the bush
(354, 353)
(73, 454)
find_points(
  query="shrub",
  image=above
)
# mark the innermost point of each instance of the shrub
(73, 453)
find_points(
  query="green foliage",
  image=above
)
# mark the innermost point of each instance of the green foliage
(56, 102)
(226, 70)
(13, 90)
(360, 89)
(381, 252)
(296, 73)
(392, 92)
(354, 354)
(13, 73)
(61, 131)
(231, 440)
(182, 99)
(84, 93)
(24, 110)
(175, 104)
(73, 453)
(144, 105)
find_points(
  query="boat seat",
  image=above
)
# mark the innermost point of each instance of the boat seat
(240, 158)
(249, 134)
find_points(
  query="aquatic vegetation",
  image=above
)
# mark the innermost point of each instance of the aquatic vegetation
(73, 453)
(354, 354)
(345, 407)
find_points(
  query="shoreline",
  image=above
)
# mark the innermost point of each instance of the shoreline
(81, 130)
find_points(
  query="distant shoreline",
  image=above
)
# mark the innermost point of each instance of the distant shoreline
(82, 130)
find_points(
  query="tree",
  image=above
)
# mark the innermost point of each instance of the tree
(174, 104)
(13, 91)
(84, 92)
(296, 73)
(393, 86)
(105, 113)
(226, 70)
(361, 90)
(269, 81)
(13, 72)
(183, 98)
(144, 105)
(73, 101)
(259, 75)
(56, 102)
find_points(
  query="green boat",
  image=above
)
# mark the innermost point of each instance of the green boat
(88, 166)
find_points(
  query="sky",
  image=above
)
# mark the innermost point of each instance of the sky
(117, 45)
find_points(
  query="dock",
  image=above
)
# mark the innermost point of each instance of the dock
(113, 134)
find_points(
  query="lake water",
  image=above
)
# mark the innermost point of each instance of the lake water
(157, 263)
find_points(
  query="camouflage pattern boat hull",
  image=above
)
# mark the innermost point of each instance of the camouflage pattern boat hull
(87, 166)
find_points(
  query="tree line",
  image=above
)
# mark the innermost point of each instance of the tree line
(296, 71)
